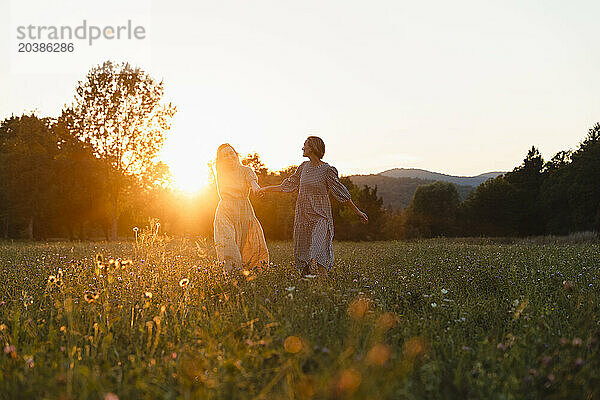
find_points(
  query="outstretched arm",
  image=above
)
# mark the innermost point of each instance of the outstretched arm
(289, 184)
(341, 193)
(364, 218)
(274, 188)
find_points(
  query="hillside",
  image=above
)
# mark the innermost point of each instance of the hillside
(397, 192)
(436, 176)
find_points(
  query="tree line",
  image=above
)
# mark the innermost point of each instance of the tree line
(93, 172)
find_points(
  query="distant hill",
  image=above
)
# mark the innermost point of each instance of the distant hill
(397, 186)
(436, 176)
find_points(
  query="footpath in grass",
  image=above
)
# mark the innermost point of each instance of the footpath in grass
(420, 320)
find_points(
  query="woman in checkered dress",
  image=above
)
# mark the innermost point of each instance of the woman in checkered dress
(313, 222)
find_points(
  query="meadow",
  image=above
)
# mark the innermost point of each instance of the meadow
(157, 318)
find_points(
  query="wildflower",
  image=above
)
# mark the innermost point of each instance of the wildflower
(444, 291)
(348, 382)
(577, 341)
(378, 354)
(386, 321)
(136, 229)
(579, 362)
(51, 279)
(413, 347)
(126, 263)
(184, 282)
(88, 297)
(564, 341)
(2, 327)
(291, 288)
(358, 308)
(10, 351)
(310, 276)
(29, 361)
(148, 295)
(292, 344)
(99, 258)
(91, 297)
(546, 360)
(111, 396)
(433, 305)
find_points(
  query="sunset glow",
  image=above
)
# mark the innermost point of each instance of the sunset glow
(189, 166)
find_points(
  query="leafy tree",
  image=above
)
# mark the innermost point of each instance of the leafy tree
(347, 226)
(118, 111)
(80, 187)
(27, 150)
(571, 193)
(490, 209)
(527, 179)
(432, 211)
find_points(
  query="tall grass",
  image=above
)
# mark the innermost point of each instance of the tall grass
(419, 320)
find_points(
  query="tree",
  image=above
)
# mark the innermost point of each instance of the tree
(27, 150)
(118, 111)
(490, 209)
(79, 183)
(347, 226)
(432, 211)
(571, 193)
(527, 179)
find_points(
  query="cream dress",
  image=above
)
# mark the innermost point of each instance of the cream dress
(239, 238)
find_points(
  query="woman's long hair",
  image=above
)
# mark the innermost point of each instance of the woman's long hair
(222, 170)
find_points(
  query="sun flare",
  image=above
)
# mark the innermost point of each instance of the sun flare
(189, 169)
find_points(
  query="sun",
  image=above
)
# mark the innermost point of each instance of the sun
(189, 167)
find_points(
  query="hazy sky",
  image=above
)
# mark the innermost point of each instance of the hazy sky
(460, 87)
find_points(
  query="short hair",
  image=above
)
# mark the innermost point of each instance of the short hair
(317, 146)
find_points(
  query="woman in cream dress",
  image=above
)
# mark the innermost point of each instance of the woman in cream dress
(239, 238)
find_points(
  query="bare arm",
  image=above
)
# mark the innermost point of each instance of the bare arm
(364, 218)
(274, 188)
(255, 187)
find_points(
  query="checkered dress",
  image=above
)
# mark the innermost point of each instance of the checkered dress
(313, 223)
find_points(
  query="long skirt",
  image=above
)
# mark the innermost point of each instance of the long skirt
(239, 238)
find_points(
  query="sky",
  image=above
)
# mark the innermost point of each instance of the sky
(462, 87)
